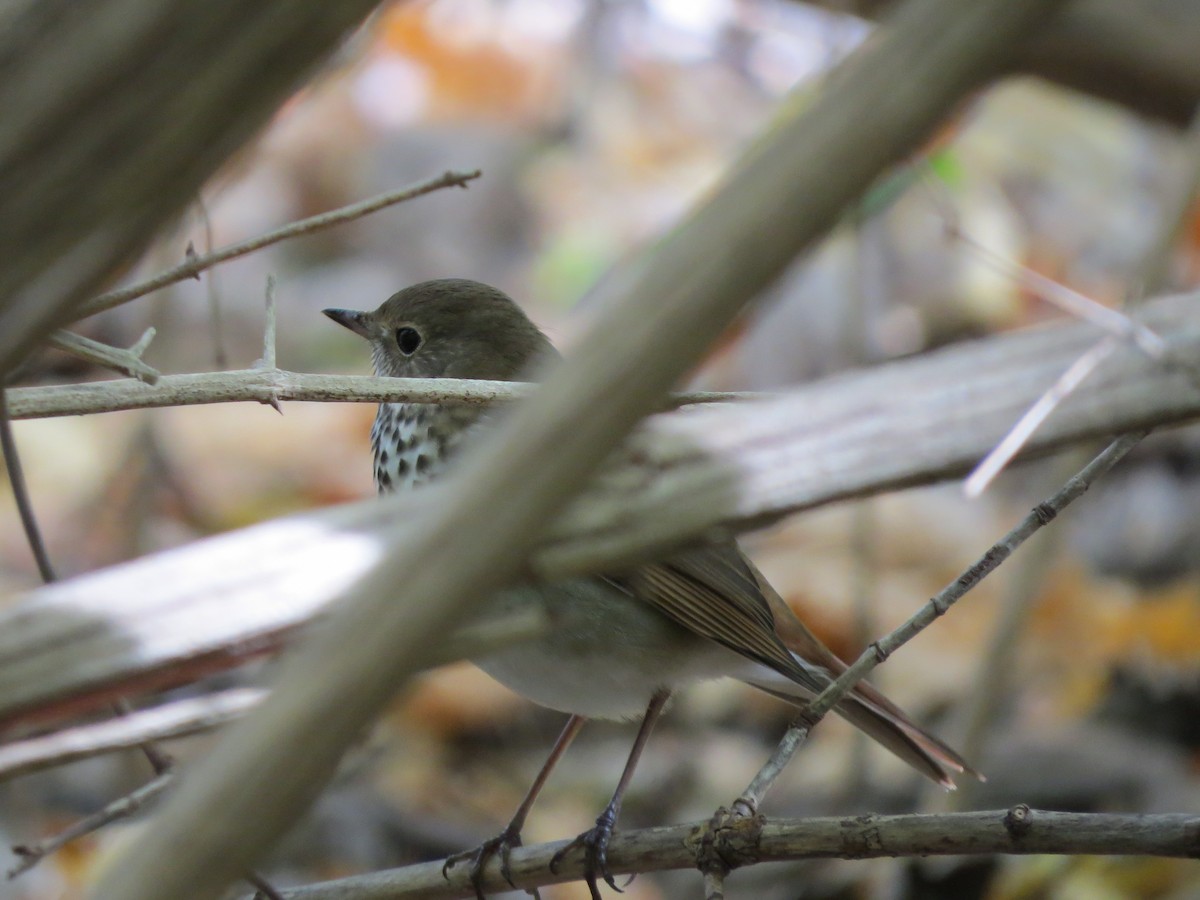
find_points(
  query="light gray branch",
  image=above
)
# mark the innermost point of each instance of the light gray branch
(1017, 831)
(127, 362)
(265, 385)
(134, 728)
(177, 719)
(261, 385)
(685, 475)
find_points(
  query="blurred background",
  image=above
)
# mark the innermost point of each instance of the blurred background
(1070, 678)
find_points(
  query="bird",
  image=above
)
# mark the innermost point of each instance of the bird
(620, 644)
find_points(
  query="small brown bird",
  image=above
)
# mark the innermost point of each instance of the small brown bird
(621, 644)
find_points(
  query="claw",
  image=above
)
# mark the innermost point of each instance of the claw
(501, 845)
(594, 843)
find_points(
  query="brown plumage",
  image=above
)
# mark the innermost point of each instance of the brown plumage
(621, 643)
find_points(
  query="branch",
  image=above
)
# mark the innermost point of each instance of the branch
(176, 719)
(684, 476)
(656, 321)
(127, 362)
(121, 808)
(103, 141)
(1017, 831)
(263, 385)
(986, 373)
(194, 265)
(880, 650)
(193, 715)
(1141, 55)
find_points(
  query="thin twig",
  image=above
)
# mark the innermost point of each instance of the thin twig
(127, 362)
(160, 760)
(16, 479)
(268, 358)
(1010, 445)
(714, 885)
(1042, 514)
(269, 328)
(220, 357)
(995, 674)
(863, 585)
(176, 719)
(1069, 300)
(263, 887)
(1150, 278)
(122, 808)
(190, 268)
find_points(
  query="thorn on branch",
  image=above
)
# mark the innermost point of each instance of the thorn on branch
(191, 261)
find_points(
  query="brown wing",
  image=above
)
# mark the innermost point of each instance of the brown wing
(714, 592)
(719, 594)
(866, 706)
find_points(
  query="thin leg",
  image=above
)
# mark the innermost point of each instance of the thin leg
(510, 837)
(595, 841)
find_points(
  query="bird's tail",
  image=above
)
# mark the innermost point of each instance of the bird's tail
(865, 707)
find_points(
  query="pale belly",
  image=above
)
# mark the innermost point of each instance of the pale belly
(606, 654)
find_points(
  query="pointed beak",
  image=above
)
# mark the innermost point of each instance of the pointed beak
(349, 318)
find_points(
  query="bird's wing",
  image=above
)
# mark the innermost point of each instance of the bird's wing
(719, 594)
(714, 592)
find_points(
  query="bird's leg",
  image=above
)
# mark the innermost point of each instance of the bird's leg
(595, 841)
(510, 837)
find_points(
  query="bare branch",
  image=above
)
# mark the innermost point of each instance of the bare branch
(126, 806)
(268, 358)
(1005, 451)
(20, 489)
(262, 384)
(127, 362)
(684, 476)
(1114, 321)
(177, 719)
(193, 715)
(1017, 831)
(880, 650)
(220, 355)
(1152, 275)
(194, 265)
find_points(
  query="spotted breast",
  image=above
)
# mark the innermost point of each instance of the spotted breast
(412, 442)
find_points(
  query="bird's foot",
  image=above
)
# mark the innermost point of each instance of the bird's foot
(594, 843)
(501, 845)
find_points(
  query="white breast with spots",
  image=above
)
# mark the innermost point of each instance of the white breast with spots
(404, 454)
(412, 442)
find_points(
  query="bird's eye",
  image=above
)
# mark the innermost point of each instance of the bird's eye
(408, 340)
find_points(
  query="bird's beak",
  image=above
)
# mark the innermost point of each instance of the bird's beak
(350, 318)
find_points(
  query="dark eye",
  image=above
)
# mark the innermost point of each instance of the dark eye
(408, 340)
